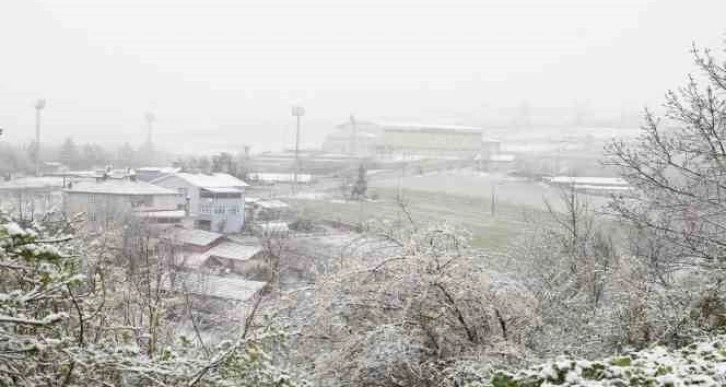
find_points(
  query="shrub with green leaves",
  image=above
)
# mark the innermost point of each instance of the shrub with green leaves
(699, 364)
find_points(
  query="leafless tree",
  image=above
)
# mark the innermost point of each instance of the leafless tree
(677, 214)
(678, 170)
(403, 319)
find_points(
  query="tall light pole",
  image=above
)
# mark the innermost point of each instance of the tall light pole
(298, 112)
(150, 118)
(39, 105)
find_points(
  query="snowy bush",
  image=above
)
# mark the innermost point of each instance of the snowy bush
(402, 317)
(61, 328)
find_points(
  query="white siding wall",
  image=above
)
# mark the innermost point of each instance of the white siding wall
(180, 185)
(102, 208)
(227, 222)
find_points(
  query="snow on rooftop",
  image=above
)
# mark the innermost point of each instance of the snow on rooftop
(234, 251)
(428, 127)
(222, 189)
(272, 228)
(281, 177)
(271, 204)
(214, 180)
(191, 260)
(158, 169)
(119, 187)
(32, 183)
(609, 181)
(502, 158)
(192, 237)
(162, 214)
(249, 240)
(202, 284)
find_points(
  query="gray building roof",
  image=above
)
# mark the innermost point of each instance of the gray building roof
(119, 187)
(162, 214)
(416, 127)
(207, 285)
(214, 180)
(280, 177)
(32, 183)
(233, 251)
(192, 237)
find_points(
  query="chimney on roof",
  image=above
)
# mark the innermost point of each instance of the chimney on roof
(106, 173)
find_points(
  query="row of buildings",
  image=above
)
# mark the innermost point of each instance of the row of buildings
(212, 202)
(198, 221)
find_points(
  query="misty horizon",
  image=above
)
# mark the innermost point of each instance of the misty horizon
(233, 70)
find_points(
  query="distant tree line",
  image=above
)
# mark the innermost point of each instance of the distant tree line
(233, 164)
(78, 156)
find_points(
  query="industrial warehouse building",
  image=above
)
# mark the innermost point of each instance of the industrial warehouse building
(406, 141)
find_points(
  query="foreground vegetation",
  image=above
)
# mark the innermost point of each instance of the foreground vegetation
(81, 315)
(699, 364)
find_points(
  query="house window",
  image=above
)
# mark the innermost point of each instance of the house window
(206, 194)
(219, 209)
(92, 199)
(141, 201)
(233, 209)
(205, 208)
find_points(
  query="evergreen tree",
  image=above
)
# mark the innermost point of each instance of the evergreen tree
(69, 154)
(360, 188)
(126, 156)
(93, 156)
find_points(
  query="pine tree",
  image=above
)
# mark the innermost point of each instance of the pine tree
(69, 154)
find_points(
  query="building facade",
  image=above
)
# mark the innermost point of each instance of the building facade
(405, 141)
(108, 201)
(214, 201)
(30, 197)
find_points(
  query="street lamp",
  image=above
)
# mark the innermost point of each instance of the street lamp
(297, 111)
(39, 105)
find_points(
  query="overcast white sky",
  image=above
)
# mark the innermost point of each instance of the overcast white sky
(229, 70)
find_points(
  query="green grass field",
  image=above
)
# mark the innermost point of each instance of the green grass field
(492, 232)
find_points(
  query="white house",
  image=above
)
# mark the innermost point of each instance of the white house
(215, 201)
(111, 200)
(29, 197)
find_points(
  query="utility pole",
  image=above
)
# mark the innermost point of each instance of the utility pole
(39, 105)
(353, 137)
(494, 199)
(298, 112)
(353, 145)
